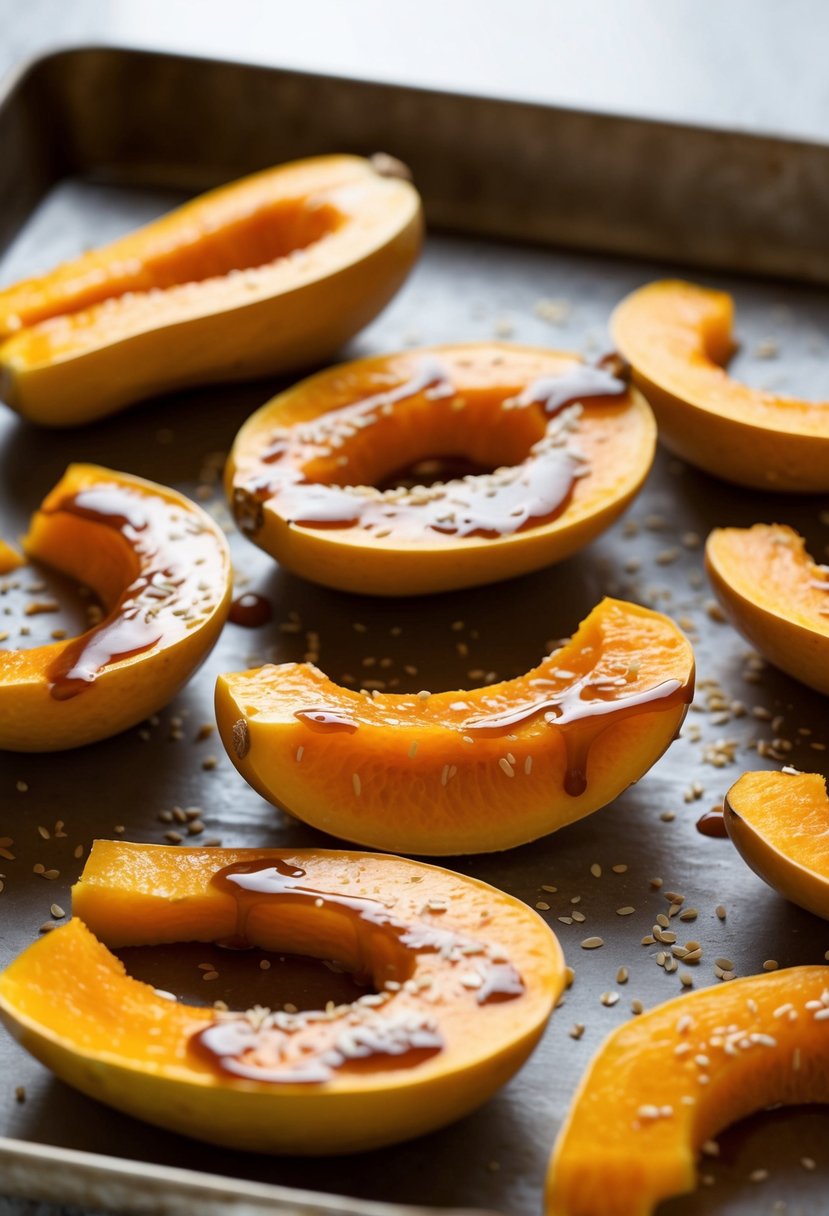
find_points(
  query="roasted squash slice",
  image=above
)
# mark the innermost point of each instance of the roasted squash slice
(267, 274)
(660, 1086)
(161, 567)
(780, 825)
(464, 980)
(678, 337)
(570, 445)
(775, 595)
(465, 771)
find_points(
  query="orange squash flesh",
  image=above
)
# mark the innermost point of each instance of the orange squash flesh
(357, 425)
(663, 1084)
(677, 337)
(10, 559)
(161, 567)
(780, 825)
(424, 774)
(70, 1003)
(775, 595)
(268, 273)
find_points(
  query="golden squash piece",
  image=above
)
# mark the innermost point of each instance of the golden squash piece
(678, 337)
(664, 1083)
(161, 567)
(269, 273)
(465, 771)
(780, 825)
(775, 595)
(10, 559)
(570, 446)
(464, 979)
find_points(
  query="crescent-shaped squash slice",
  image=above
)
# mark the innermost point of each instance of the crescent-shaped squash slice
(465, 771)
(269, 273)
(775, 595)
(570, 445)
(780, 825)
(161, 568)
(663, 1084)
(677, 337)
(463, 979)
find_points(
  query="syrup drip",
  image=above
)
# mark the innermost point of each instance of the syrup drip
(535, 491)
(310, 1048)
(325, 720)
(163, 601)
(158, 605)
(581, 718)
(250, 610)
(712, 823)
(579, 383)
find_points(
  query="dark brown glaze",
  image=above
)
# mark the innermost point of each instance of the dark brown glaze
(581, 712)
(166, 597)
(250, 610)
(712, 823)
(309, 1048)
(488, 505)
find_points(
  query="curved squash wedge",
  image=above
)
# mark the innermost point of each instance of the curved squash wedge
(269, 273)
(465, 771)
(677, 337)
(780, 825)
(464, 976)
(570, 445)
(161, 567)
(663, 1084)
(775, 596)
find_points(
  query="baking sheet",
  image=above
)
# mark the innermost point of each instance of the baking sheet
(464, 288)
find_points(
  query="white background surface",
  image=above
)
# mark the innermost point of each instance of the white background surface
(757, 64)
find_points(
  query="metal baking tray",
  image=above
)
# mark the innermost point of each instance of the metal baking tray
(540, 220)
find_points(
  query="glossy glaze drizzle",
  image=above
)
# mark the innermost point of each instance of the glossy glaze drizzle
(169, 595)
(581, 712)
(712, 823)
(250, 610)
(373, 1032)
(487, 505)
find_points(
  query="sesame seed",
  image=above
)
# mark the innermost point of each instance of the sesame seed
(542, 906)
(758, 1175)
(636, 1006)
(576, 1030)
(356, 783)
(627, 910)
(619, 869)
(725, 964)
(506, 767)
(596, 870)
(609, 999)
(592, 943)
(771, 964)
(57, 911)
(808, 1163)
(622, 975)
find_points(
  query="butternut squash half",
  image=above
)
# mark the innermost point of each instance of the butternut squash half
(663, 1084)
(267, 274)
(678, 337)
(464, 978)
(570, 446)
(780, 825)
(465, 771)
(161, 567)
(775, 595)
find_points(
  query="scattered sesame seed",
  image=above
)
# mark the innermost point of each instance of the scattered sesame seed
(592, 943)
(771, 964)
(596, 870)
(356, 784)
(576, 1030)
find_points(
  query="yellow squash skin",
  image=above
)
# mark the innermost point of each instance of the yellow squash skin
(470, 415)
(775, 596)
(414, 777)
(677, 337)
(642, 1111)
(170, 571)
(10, 559)
(267, 274)
(779, 823)
(68, 1001)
